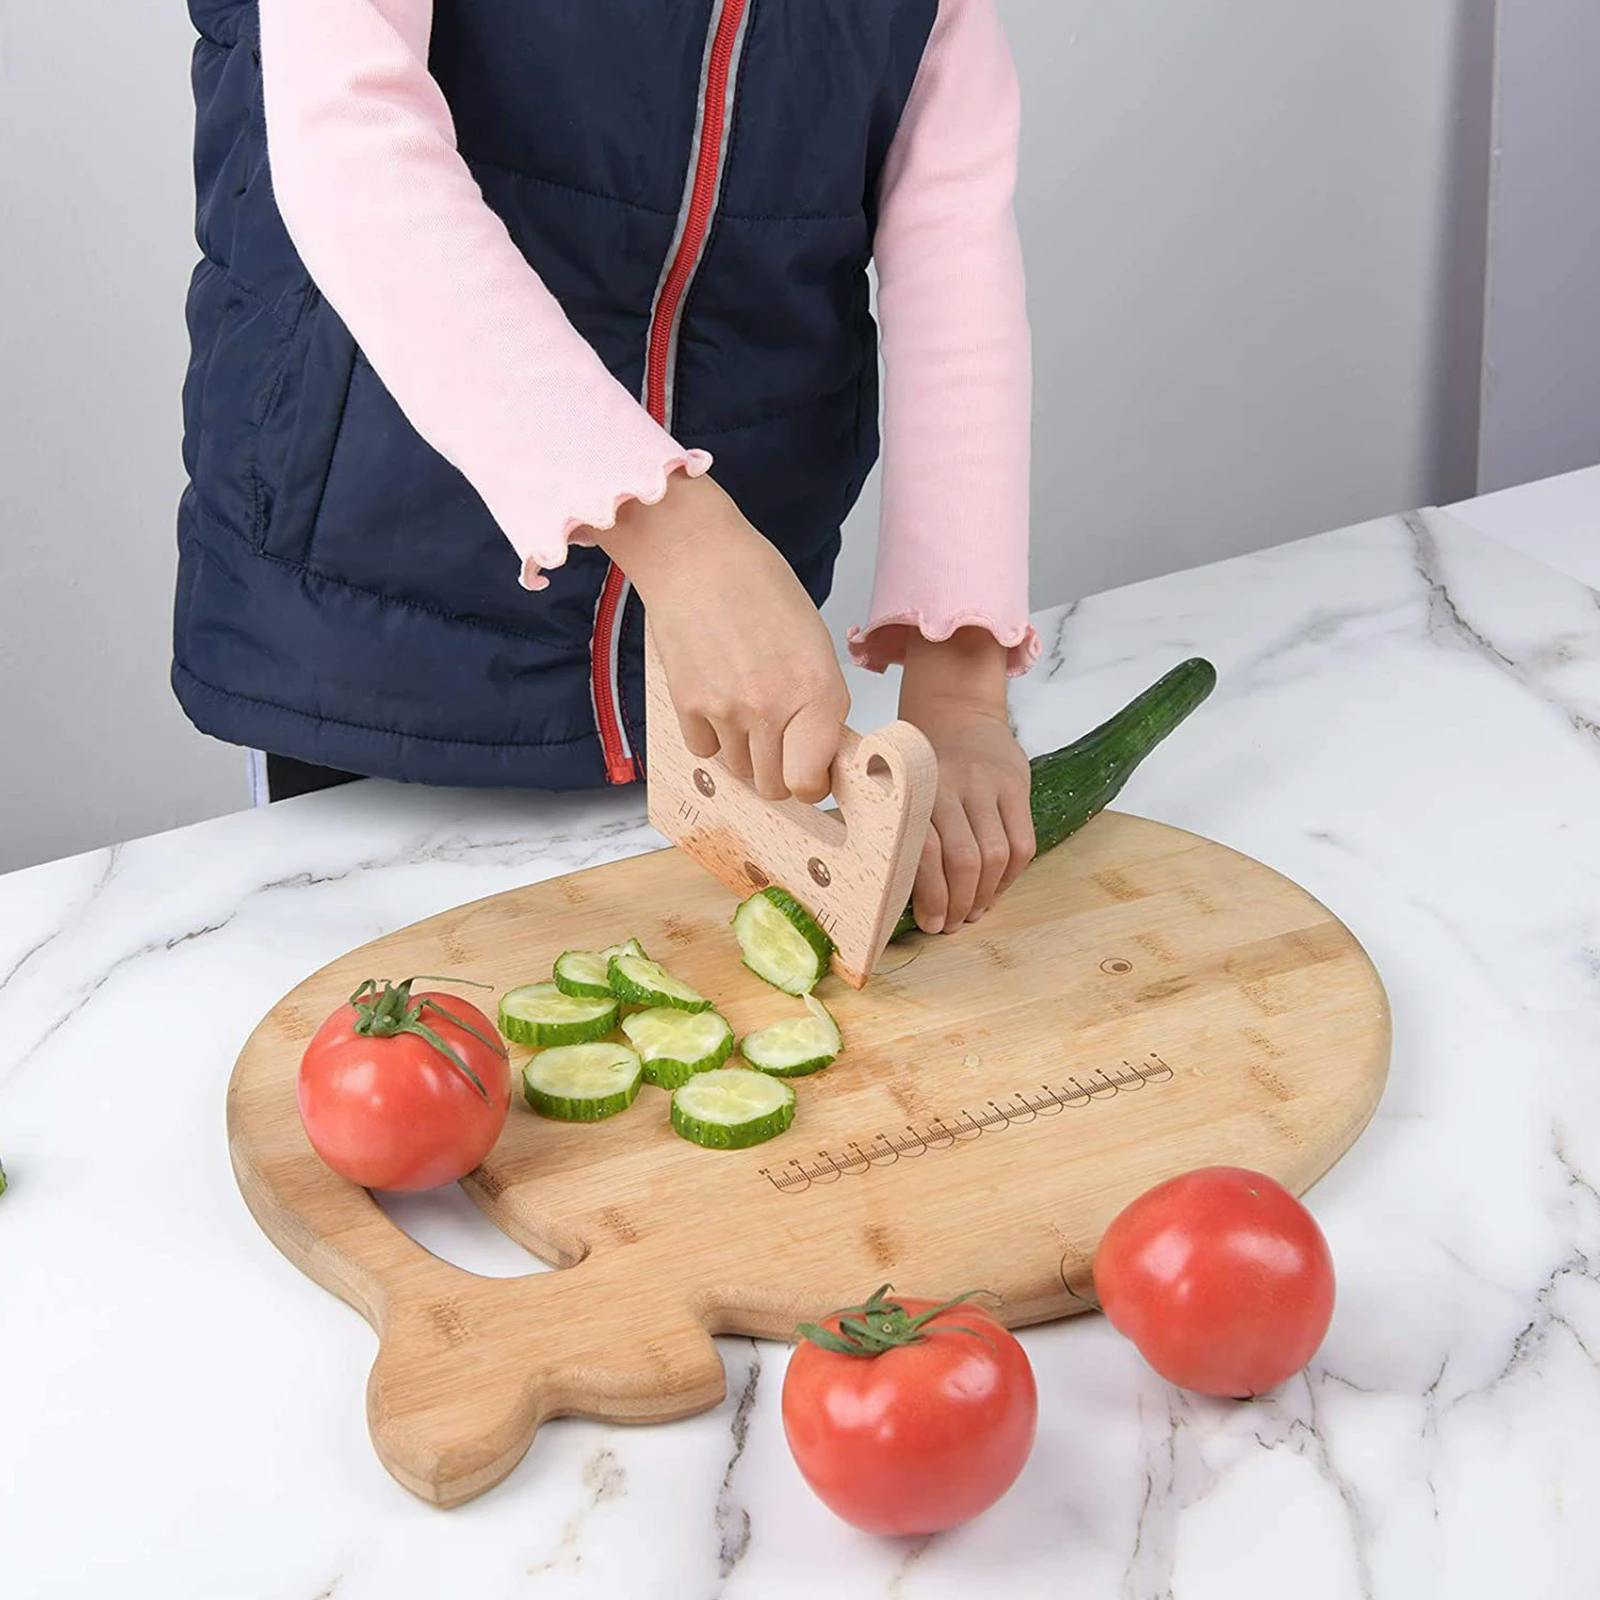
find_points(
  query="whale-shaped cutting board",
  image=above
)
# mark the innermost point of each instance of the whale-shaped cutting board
(1141, 1003)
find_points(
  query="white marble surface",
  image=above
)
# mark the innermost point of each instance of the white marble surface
(1556, 520)
(1408, 722)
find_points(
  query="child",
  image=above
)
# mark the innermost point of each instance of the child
(591, 278)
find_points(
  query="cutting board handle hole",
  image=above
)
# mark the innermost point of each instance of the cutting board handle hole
(881, 773)
(448, 1225)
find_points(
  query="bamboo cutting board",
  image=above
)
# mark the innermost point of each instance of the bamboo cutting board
(1143, 1002)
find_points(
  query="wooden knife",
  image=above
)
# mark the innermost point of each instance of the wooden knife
(852, 868)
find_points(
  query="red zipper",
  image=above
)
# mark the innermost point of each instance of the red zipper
(701, 199)
(621, 766)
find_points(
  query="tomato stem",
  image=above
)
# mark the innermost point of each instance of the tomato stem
(384, 1009)
(882, 1324)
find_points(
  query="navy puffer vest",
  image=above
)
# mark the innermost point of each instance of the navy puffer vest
(343, 595)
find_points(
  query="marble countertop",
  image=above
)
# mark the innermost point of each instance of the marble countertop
(1408, 723)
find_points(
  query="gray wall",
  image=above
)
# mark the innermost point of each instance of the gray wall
(1250, 231)
(1541, 373)
(1254, 237)
(97, 211)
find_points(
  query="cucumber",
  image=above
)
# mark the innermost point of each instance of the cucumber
(539, 1014)
(1073, 785)
(781, 941)
(795, 1046)
(587, 972)
(674, 1045)
(582, 1082)
(643, 982)
(731, 1108)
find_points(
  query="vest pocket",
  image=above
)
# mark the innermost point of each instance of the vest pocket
(301, 420)
(395, 518)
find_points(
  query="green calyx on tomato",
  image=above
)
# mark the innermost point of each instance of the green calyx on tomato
(882, 1324)
(384, 1009)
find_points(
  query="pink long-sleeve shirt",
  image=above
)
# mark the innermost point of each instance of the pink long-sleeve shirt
(486, 367)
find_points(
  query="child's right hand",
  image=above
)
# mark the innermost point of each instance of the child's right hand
(749, 662)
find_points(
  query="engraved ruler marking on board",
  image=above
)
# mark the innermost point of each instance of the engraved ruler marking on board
(1026, 1106)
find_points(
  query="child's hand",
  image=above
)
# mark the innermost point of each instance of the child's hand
(749, 663)
(982, 831)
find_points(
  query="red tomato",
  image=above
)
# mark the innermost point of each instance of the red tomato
(920, 1437)
(384, 1107)
(1221, 1277)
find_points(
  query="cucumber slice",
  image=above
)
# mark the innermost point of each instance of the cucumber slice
(795, 1046)
(731, 1108)
(582, 1082)
(674, 1045)
(538, 1013)
(781, 941)
(643, 982)
(586, 973)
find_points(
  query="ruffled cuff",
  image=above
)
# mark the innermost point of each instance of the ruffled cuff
(548, 552)
(882, 643)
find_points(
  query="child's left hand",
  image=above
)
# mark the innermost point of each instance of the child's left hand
(982, 831)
